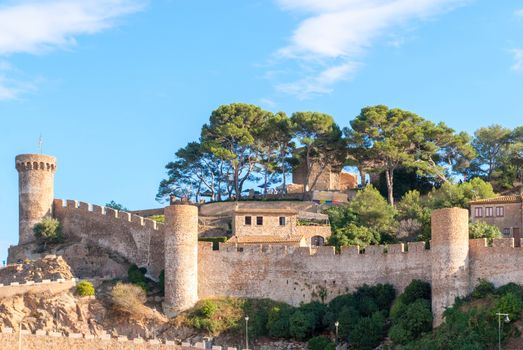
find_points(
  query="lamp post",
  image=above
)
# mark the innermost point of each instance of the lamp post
(246, 332)
(506, 320)
(336, 324)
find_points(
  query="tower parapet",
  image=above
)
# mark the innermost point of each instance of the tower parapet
(36, 191)
(450, 258)
(181, 258)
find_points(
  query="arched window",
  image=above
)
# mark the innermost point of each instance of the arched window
(317, 241)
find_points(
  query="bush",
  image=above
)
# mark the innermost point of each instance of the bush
(207, 308)
(128, 297)
(368, 333)
(510, 304)
(416, 290)
(136, 276)
(320, 343)
(513, 288)
(483, 289)
(85, 288)
(412, 323)
(278, 321)
(48, 231)
(301, 325)
(484, 230)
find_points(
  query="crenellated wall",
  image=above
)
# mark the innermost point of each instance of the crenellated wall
(298, 274)
(137, 239)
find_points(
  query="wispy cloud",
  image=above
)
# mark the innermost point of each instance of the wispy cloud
(517, 66)
(519, 12)
(37, 27)
(331, 40)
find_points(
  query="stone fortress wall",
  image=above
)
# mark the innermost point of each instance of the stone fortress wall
(139, 240)
(194, 271)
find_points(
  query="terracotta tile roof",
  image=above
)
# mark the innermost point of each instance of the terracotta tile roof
(265, 211)
(499, 200)
(263, 239)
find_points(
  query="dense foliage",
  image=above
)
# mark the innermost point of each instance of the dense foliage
(244, 148)
(369, 219)
(362, 317)
(136, 276)
(472, 322)
(116, 206)
(85, 288)
(48, 230)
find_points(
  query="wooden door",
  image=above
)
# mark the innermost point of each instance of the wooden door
(516, 233)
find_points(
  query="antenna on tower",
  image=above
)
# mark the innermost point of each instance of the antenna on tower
(40, 143)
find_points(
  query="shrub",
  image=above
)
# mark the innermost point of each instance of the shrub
(513, 288)
(48, 231)
(416, 290)
(368, 333)
(136, 276)
(207, 308)
(483, 289)
(510, 304)
(85, 288)
(278, 321)
(412, 323)
(128, 297)
(320, 343)
(484, 230)
(301, 325)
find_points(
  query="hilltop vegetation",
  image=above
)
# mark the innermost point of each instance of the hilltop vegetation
(245, 147)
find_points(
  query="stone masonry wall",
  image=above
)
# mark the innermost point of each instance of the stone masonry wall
(298, 274)
(137, 239)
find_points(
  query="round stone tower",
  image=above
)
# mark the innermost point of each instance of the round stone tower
(36, 191)
(450, 258)
(181, 258)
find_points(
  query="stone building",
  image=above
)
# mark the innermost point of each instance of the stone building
(102, 241)
(276, 226)
(331, 178)
(505, 212)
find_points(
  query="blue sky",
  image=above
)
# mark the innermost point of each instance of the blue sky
(117, 86)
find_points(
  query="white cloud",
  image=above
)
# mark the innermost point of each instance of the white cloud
(36, 27)
(519, 12)
(334, 35)
(518, 60)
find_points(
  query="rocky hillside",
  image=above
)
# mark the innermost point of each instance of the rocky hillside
(50, 267)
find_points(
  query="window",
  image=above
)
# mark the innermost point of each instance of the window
(259, 220)
(283, 222)
(489, 212)
(500, 211)
(506, 231)
(478, 212)
(248, 220)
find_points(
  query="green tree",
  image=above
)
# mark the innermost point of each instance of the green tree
(320, 343)
(194, 170)
(230, 136)
(484, 230)
(395, 138)
(116, 206)
(371, 210)
(48, 230)
(322, 141)
(301, 324)
(459, 195)
(490, 144)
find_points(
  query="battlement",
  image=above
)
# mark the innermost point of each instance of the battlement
(282, 250)
(108, 212)
(81, 341)
(25, 162)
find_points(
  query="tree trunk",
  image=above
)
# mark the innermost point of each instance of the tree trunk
(363, 175)
(389, 175)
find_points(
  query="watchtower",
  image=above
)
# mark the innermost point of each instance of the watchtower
(181, 258)
(36, 191)
(450, 258)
